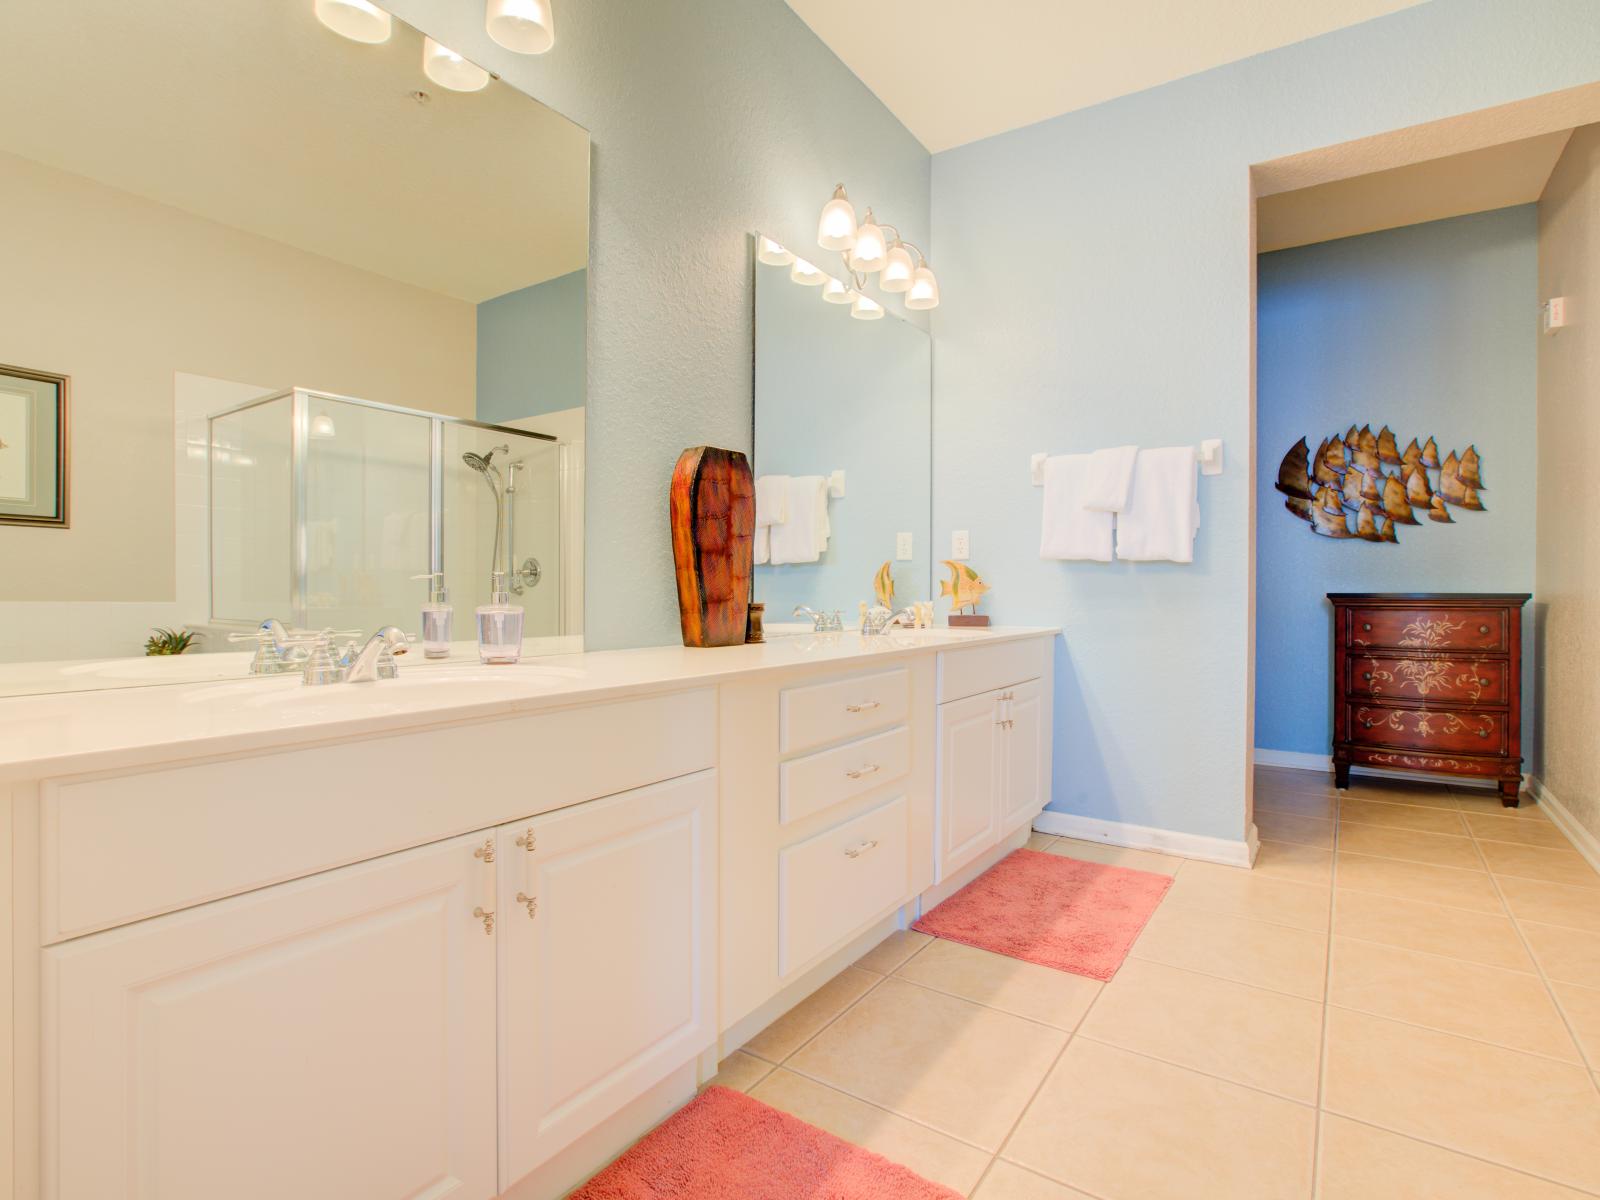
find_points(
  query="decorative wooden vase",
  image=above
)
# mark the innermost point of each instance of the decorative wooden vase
(713, 507)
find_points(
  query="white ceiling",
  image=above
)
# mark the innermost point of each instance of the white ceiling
(1452, 186)
(250, 113)
(954, 71)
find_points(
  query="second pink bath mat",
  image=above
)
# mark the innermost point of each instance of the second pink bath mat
(1058, 912)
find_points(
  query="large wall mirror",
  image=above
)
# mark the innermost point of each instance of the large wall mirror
(843, 436)
(321, 321)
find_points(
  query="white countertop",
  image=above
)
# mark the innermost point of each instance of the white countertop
(62, 734)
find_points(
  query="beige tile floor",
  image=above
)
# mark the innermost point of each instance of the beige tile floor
(1401, 1002)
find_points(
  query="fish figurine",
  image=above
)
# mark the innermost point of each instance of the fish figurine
(964, 587)
(883, 585)
(1387, 451)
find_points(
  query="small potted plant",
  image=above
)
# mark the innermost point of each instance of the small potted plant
(169, 641)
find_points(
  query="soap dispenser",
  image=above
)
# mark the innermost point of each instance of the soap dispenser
(438, 617)
(499, 625)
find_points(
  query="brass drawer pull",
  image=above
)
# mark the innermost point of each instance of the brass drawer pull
(864, 771)
(531, 903)
(486, 916)
(528, 842)
(866, 706)
(858, 851)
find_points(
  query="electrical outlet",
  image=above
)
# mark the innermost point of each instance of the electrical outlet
(902, 547)
(960, 545)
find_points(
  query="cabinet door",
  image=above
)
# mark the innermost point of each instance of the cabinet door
(1026, 744)
(329, 1039)
(606, 959)
(970, 773)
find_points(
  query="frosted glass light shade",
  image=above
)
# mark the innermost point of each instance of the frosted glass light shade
(924, 291)
(898, 268)
(835, 292)
(806, 273)
(449, 70)
(525, 26)
(871, 250)
(865, 308)
(322, 426)
(836, 230)
(358, 20)
(771, 253)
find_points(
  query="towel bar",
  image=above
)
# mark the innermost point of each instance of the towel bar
(1210, 455)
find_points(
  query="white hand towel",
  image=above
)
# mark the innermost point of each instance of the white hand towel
(763, 544)
(1162, 515)
(772, 499)
(1072, 531)
(1110, 473)
(803, 537)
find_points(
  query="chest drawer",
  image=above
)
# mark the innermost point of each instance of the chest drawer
(1465, 731)
(831, 885)
(1435, 679)
(818, 713)
(1428, 628)
(828, 777)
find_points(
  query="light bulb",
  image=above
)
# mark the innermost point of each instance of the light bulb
(322, 426)
(837, 228)
(924, 291)
(357, 20)
(865, 308)
(870, 251)
(898, 268)
(804, 272)
(449, 70)
(525, 26)
(771, 253)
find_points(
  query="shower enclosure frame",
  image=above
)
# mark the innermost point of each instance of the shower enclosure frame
(299, 448)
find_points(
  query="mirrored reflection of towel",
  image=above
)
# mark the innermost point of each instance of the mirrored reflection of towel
(804, 535)
(1110, 473)
(1162, 515)
(1070, 530)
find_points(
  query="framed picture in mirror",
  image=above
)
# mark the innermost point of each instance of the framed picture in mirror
(33, 447)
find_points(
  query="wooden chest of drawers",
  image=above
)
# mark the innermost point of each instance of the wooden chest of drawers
(1429, 682)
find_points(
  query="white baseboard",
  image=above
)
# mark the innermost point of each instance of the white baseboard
(1144, 837)
(1293, 759)
(1585, 842)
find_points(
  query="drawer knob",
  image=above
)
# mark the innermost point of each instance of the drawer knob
(1366, 724)
(1483, 733)
(858, 851)
(1367, 627)
(1483, 629)
(862, 772)
(1368, 677)
(528, 841)
(864, 706)
(1483, 683)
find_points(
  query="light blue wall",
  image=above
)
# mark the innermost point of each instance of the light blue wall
(1432, 330)
(1096, 274)
(837, 394)
(531, 347)
(709, 119)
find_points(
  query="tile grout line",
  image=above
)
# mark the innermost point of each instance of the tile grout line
(1327, 983)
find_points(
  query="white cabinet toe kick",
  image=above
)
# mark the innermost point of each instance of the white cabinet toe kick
(478, 958)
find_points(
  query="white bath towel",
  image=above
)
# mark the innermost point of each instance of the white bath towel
(763, 544)
(1110, 473)
(772, 499)
(1072, 531)
(1162, 515)
(804, 535)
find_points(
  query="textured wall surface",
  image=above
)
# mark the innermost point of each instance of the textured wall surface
(1096, 273)
(1567, 590)
(531, 349)
(1431, 330)
(709, 120)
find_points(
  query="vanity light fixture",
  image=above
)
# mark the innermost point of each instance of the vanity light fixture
(865, 308)
(806, 273)
(871, 248)
(835, 292)
(522, 26)
(771, 253)
(358, 20)
(322, 426)
(449, 70)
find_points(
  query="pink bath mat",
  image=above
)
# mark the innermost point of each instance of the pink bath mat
(723, 1145)
(1058, 912)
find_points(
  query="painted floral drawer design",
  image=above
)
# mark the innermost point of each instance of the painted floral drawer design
(1436, 680)
(1463, 732)
(1428, 629)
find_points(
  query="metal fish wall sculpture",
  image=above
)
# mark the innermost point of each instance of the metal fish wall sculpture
(1363, 487)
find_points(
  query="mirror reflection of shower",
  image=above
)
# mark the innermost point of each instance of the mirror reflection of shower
(504, 489)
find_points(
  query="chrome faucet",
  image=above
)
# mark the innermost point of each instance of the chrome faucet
(280, 649)
(821, 622)
(879, 620)
(375, 660)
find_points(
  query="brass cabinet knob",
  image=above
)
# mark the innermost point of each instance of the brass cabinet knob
(1483, 629)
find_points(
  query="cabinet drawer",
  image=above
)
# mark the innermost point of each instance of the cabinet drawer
(1438, 680)
(1463, 731)
(826, 712)
(120, 848)
(968, 672)
(1429, 628)
(821, 780)
(833, 884)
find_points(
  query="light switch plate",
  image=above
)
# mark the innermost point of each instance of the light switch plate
(902, 547)
(960, 545)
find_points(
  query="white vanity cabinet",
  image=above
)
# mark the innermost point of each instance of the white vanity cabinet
(607, 943)
(327, 1039)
